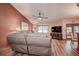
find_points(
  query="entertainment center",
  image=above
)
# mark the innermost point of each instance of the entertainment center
(56, 32)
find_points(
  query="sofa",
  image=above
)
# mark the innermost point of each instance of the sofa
(30, 43)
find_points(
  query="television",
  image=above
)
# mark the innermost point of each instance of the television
(56, 29)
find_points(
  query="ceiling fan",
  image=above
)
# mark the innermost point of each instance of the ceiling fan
(40, 16)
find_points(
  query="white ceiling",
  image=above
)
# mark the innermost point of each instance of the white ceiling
(54, 11)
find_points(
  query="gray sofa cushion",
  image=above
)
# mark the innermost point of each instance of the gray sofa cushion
(39, 50)
(38, 41)
(19, 48)
(16, 38)
(39, 35)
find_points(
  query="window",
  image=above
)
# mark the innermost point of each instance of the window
(69, 30)
(24, 26)
(43, 29)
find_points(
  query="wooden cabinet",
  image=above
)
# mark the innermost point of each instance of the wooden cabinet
(56, 35)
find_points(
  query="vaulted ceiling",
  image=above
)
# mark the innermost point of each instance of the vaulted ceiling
(54, 11)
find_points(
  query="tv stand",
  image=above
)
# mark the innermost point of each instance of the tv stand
(56, 35)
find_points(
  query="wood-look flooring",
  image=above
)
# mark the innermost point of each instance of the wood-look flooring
(59, 48)
(63, 48)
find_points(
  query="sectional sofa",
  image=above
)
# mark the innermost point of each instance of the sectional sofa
(30, 43)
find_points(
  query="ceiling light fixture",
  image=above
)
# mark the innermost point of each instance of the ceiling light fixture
(40, 16)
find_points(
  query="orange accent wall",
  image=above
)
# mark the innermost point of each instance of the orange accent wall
(10, 19)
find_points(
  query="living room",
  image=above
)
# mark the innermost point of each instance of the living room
(45, 23)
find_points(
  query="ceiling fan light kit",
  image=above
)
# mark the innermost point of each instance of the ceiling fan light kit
(40, 16)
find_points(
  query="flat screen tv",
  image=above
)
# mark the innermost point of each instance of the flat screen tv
(56, 29)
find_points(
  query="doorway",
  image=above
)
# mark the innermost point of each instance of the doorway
(74, 28)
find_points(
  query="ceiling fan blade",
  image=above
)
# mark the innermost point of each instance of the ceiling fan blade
(44, 17)
(34, 16)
